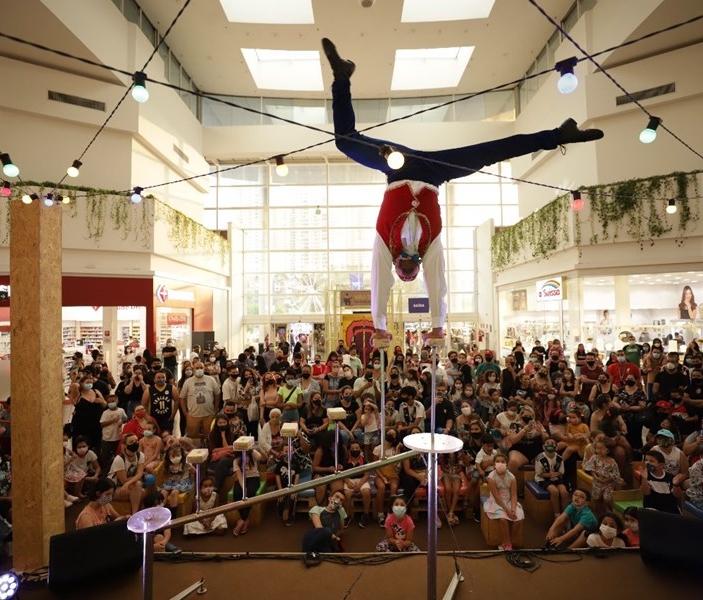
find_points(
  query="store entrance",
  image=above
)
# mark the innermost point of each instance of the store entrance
(308, 338)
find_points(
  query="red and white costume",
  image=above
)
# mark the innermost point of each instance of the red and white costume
(409, 221)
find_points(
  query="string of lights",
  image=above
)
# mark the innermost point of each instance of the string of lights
(139, 82)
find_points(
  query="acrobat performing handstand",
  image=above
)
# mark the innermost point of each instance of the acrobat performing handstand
(409, 222)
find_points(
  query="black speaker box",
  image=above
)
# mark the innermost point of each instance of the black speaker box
(671, 540)
(86, 555)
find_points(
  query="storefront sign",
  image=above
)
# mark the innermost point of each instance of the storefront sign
(176, 319)
(355, 298)
(418, 305)
(549, 289)
(162, 293)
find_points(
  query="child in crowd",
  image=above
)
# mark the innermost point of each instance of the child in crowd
(178, 476)
(208, 500)
(387, 476)
(151, 446)
(632, 527)
(162, 537)
(326, 534)
(359, 486)
(452, 476)
(73, 475)
(576, 438)
(286, 506)
(609, 534)
(486, 456)
(605, 473)
(87, 461)
(111, 422)
(399, 529)
(549, 474)
(590, 449)
(502, 503)
(171, 440)
(572, 526)
(657, 484)
(372, 428)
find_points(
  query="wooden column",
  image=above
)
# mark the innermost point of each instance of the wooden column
(37, 381)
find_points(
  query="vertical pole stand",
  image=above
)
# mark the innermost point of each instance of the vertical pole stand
(336, 415)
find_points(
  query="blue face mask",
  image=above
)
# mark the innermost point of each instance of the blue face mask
(87, 386)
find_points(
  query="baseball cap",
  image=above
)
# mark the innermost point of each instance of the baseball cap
(664, 433)
(488, 353)
(662, 404)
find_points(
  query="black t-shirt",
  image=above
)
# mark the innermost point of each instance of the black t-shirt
(668, 381)
(444, 411)
(123, 398)
(466, 373)
(170, 361)
(280, 366)
(660, 496)
(102, 386)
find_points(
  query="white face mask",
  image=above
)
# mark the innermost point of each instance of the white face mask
(335, 503)
(608, 532)
(633, 526)
(176, 459)
(501, 468)
(399, 511)
(199, 372)
(466, 410)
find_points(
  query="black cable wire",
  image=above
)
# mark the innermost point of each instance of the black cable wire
(609, 76)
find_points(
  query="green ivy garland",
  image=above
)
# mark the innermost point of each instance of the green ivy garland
(636, 206)
(134, 221)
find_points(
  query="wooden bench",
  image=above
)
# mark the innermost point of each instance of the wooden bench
(625, 498)
(537, 504)
(491, 532)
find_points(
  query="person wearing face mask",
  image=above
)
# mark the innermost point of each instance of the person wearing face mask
(652, 365)
(550, 475)
(487, 366)
(369, 383)
(676, 461)
(127, 472)
(526, 443)
(111, 422)
(200, 401)
(507, 418)
(502, 504)
(161, 400)
(589, 374)
(670, 377)
(99, 509)
(411, 412)
(633, 407)
(609, 534)
(661, 489)
(327, 521)
(290, 398)
(622, 368)
(151, 445)
(248, 396)
(603, 387)
(246, 477)
(355, 363)
(177, 477)
(399, 528)
(631, 531)
(309, 385)
(318, 368)
(358, 486)
(331, 384)
(88, 408)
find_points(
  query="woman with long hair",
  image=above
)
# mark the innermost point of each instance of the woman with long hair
(688, 309)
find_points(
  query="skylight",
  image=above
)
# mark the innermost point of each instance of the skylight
(285, 69)
(420, 11)
(288, 12)
(429, 68)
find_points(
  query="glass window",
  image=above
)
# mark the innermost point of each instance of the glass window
(240, 197)
(242, 218)
(352, 238)
(460, 237)
(286, 218)
(255, 262)
(511, 215)
(210, 219)
(255, 284)
(356, 195)
(352, 173)
(400, 107)
(475, 215)
(255, 239)
(149, 30)
(298, 195)
(462, 303)
(247, 175)
(297, 262)
(462, 281)
(352, 216)
(460, 260)
(255, 304)
(174, 70)
(300, 239)
(350, 261)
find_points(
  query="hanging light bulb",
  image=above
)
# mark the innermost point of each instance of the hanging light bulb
(281, 166)
(74, 169)
(139, 91)
(65, 199)
(576, 201)
(568, 82)
(318, 211)
(29, 198)
(8, 167)
(671, 207)
(6, 189)
(394, 158)
(49, 200)
(136, 196)
(649, 133)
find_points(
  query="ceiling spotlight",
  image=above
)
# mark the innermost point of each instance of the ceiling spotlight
(281, 166)
(394, 158)
(367, 3)
(649, 133)
(671, 207)
(136, 196)
(568, 82)
(29, 198)
(9, 585)
(139, 91)
(74, 169)
(6, 189)
(8, 167)
(576, 201)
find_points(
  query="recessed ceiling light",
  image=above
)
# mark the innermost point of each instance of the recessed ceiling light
(429, 68)
(290, 12)
(419, 11)
(284, 69)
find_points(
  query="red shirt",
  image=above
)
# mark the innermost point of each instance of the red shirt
(619, 371)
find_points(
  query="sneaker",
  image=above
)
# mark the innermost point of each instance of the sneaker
(72, 499)
(381, 520)
(341, 69)
(291, 517)
(173, 548)
(364, 520)
(477, 516)
(67, 503)
(505, 547)
(348, 521)
(569, 133)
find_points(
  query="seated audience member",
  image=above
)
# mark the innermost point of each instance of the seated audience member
(208, 500)
(571, 528)
(411, 412)
(177, 477)
(452, 466)
(87, 461)
(137, 424)
(632, 527)
(693, 446)
(399, 529)
(359, 486)
(99, 509)
(73, 475)
(486, 456)
(221, 460)
(152, 447)
(285, 476)
(606, 475)
(609, 534)
(370, 424)
(323, 463)
(127, 471)
(576, 437)
(387, 476)
(170, 440)
(502, 504)
(694, 484)
(509, 417)
(314, 421)
(270, 439)
(162, 537)
(675, 460)
(657, 484)
(525, 444)
(549, 474)
(246, 477)
(327, 521)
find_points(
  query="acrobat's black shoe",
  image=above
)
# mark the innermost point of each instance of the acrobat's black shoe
(341, 68)
(569, 133)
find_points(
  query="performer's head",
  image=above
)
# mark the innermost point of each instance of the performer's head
(406, 268)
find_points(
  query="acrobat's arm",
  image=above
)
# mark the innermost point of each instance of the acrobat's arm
(433, 269)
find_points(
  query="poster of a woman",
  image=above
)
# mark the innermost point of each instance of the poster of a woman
(688, 309)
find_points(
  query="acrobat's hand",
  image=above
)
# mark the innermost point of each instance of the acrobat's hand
(381, 338)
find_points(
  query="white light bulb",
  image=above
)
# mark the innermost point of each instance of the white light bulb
(282, 170)
(140, 93)
(136, 198)
(671, 207)
(395, 160)
(72, 172)
(11, 170)
(567, 83)
(26, 199)
(647, 136)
